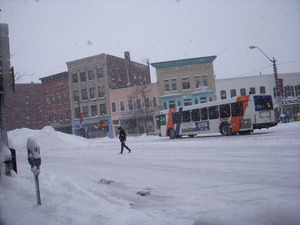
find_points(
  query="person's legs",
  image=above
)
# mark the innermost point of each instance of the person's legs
(129, 150)
(122, 146)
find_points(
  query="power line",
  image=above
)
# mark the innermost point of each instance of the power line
(244, 74)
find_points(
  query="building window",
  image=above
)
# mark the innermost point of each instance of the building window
(205, 80)
(223, 94)
(75, 78)
(54, 117)
(77, 113)
(166, 84)
(67, 115)
(262, 90)
(196, 101)
(119, 75)
(243, 91)
(130, 105)
(138, 103)
(65, 98)
(174, 85)
(82, 77)
(203, 100)
(91, 75)
(99, 73)
(289, 91)
(113, 107)
(60, 116)
(49, 117)
(165, 105)
(147, 102)
(185, 83)
(252, 91)
(154, 102)
(53, 100)
(172, 104)
(59, 99)
(85, 110)
(84, 95)
(38, 104)
(232, 93)
(102, 109)
(47, 101)
(76, 96)
(92, 93)
(197, 81)
(94, 110)
(122, 106)
(297, 90)
(187, 102)
(179, 103)
(101, 91)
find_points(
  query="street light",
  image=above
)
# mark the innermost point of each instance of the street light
(278, 92)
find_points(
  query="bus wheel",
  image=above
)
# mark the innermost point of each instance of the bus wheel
(225, 129)
(172, 133)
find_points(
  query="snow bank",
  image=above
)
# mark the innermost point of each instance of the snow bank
(48, 138)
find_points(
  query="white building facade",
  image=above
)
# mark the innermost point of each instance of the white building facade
(263, 84)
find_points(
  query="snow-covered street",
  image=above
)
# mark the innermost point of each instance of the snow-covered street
(251, 179)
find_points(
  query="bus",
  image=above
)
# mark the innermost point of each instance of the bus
(238, 115)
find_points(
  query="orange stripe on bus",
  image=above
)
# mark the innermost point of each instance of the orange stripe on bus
(170, 121)
(236, 121)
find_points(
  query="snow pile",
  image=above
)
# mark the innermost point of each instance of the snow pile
(208, 180)
(48, 138)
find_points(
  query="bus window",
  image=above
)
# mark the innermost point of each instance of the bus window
(213, 112)
(204, 114)
(163, 120)
(195, 114)
(237, 109)
(176, 117)
(263, 103)
(224, 111)
(186, 116)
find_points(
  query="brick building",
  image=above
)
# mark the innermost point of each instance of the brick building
(24, 108)
(56, 102)
(90, 80)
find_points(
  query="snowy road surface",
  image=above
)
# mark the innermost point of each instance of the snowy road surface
(252, 179)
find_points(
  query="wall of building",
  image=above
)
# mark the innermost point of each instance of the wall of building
(89, 89)
(56, 102)
(25, 107)
(186, 81)
(127, 113)
(289, 103)
(267, 81)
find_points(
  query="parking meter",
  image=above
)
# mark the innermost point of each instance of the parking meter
(34, 156)
(34, 159)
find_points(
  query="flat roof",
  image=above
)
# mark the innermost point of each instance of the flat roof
(184, 62)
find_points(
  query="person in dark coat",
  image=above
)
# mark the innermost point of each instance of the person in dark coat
(122, 137)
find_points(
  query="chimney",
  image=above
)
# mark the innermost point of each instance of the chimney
(127, 55)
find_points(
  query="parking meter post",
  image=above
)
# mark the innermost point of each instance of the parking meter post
(34, 159)
(37, 188)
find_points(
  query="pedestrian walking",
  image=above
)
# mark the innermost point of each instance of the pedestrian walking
(122, 137)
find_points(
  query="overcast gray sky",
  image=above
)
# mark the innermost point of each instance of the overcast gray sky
(45, 34)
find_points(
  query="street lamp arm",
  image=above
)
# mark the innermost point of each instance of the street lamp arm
(252, 47)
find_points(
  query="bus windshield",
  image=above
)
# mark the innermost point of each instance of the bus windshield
(263, 103)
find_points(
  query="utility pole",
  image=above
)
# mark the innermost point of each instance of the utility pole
(277, 86)
(6, 83)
